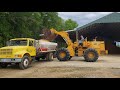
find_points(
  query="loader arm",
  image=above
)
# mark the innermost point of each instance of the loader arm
(67, 39)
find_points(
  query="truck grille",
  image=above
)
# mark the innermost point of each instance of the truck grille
(5, 51)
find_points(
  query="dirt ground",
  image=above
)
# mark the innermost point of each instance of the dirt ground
(105, 67)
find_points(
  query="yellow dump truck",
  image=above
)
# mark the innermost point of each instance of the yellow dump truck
(21, 51)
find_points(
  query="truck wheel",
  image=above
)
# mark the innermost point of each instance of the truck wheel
(37, 58)
(43, 57)
(24, 64)
(49, 57)
(3, 65)
(91, 55)
(63, 54)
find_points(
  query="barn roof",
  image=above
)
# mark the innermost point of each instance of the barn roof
(107, 27)
(111, 18)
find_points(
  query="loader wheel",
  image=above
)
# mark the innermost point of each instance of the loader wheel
(63, 54)
(49, 57)
(70, 57)
(3, 65)
(91, 55)
(24, 64)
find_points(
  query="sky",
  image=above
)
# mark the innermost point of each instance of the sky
(82, 18)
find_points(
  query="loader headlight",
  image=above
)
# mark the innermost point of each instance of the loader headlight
(18, 55)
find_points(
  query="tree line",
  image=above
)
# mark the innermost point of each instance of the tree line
(30, 24)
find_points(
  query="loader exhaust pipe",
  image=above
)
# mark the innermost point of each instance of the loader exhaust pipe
(76, 35)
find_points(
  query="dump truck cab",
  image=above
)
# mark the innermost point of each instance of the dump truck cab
(23, 46)
(18, 50)
(22, 51)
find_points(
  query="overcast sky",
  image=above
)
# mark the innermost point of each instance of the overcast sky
(83, 17)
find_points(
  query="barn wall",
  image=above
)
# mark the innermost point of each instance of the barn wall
(111, 47)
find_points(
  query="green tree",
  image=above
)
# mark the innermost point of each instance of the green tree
(30, 24)
(70, 24)
(60, 25)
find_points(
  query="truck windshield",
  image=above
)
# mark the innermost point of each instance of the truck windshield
(18, 43)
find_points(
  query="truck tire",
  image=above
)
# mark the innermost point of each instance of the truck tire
(37, 58)
(43, 57)
(63, 54)
(91, 55)
(54, 54)
(3, 65)
(24, 64)
(49, 57)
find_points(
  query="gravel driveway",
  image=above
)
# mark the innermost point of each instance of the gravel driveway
(105, 67)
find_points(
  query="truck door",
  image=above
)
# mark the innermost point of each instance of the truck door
(31, 48)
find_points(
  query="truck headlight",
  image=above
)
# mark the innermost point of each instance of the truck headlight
(18, 56)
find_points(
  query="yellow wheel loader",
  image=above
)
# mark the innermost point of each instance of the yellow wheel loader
(90, 50)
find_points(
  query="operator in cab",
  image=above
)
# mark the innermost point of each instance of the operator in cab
(81, 41)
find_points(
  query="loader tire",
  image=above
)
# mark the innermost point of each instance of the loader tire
(91, 55)
(49, 57)
(24, 64)
(63, 54)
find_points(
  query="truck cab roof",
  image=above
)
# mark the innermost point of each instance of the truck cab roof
(22, 39)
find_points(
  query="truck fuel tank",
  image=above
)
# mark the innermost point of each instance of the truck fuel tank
(45, 45)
